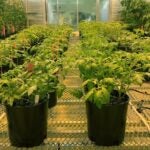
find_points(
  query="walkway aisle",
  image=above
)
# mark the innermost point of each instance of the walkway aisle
(67, 120)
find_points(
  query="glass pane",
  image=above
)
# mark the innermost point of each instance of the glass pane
(104, 10)
(52, 11)
(87, 10)
(67, 10)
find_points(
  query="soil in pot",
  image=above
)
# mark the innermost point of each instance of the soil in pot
(27, 125)
(106, 126)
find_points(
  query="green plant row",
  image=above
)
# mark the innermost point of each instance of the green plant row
(115, 36)
(38, 75)
(17, 46)
(12, 17)
(57, 42)
(137, 14)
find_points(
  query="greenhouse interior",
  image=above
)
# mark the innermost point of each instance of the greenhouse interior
(74, 74)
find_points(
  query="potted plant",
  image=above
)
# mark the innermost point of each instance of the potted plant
(25, 98)
(105, 86)
(54, 87)
(107, 73)
(53, 65)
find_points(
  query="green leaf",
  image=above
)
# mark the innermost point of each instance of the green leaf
(138, 78)
(106, 96)
(90, 83)
(78, 93)
(60, 89)
(89, 95)
(101, 96)
(4, 82)
(55, 71)
(10, 101)
(31, 89)
(109, 81)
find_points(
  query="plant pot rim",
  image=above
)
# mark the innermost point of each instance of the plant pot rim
(26, 106)
(110, 105)
(126, 100)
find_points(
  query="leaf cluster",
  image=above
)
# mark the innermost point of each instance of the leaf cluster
(35, 78)
(106, 69)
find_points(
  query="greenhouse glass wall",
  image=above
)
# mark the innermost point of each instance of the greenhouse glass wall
(71, 11)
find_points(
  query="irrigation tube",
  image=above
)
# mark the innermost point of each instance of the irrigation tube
(141, 117)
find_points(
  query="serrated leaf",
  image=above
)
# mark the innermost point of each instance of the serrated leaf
(31, 89)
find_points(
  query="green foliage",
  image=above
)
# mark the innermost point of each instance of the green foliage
(60, 89)
(111, 61)
(35, 78)
(77, 93)
(136, 13)
(113, 36)
(19, 45)
(12, 17)
(109, 74)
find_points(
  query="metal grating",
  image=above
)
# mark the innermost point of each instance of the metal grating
(138, 97)
(67, 124)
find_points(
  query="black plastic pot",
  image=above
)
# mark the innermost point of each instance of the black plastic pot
(27, 125)
(52, 99)
(106, 126)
